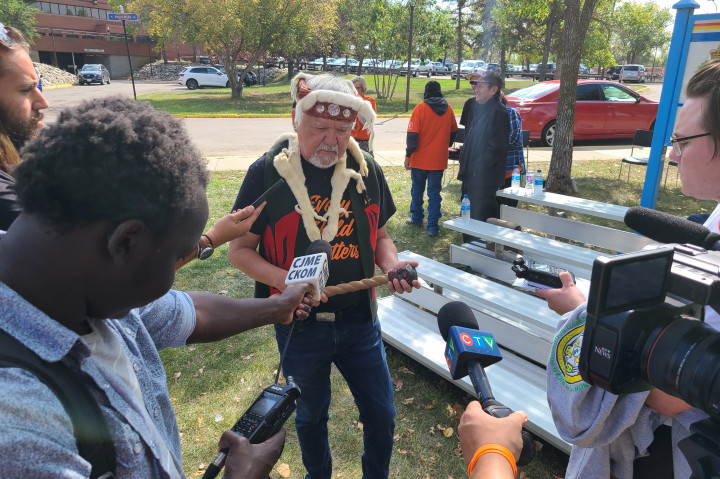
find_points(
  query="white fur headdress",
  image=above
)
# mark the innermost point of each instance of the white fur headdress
(330, 104)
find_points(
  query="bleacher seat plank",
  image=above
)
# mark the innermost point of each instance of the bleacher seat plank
(595, 235)
(515, 382)
(571, 257)
(522, 308)
(570, 203)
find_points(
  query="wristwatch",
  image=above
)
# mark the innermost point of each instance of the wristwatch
(205, 247)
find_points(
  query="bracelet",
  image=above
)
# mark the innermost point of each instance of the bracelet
(497, 449)
(209, 240)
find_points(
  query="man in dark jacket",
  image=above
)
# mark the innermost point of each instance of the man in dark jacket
(430, 131)
(482, 164)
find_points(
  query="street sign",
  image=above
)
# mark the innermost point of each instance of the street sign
(130, 17)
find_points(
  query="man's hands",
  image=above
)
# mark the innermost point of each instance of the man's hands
(406, 164)
(565, 299)
(397, 286)
(250, 461)
(234, 225)
(297, 300)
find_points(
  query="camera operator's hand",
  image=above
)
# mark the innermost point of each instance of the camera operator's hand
(666, 404)
(565, 299)
(251, 461)
(477, 428)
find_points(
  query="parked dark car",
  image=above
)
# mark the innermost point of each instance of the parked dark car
(93, 73)
(550, 71)
(613, 73)
(250, 78)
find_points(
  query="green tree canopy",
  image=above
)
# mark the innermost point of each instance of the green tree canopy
(20, 15)
(640, 28)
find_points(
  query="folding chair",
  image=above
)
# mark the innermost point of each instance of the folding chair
(454, 155)
(642, 139)
(526, 145)
(677, 172)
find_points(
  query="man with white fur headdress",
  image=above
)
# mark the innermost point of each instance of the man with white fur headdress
(336, 192)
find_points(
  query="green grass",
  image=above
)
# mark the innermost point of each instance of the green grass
(212, 384)
(274, 99)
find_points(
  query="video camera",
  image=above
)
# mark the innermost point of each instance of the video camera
(645, 329)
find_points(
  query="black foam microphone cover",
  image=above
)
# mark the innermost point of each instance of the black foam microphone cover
(319, 246)
(455, 313)
(666, 228)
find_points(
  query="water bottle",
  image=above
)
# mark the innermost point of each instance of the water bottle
(465, 208)
(529, 183)
(515, 180)
(538, 181)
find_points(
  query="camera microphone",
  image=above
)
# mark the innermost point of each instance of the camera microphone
(312, 267)
(666, 228)
(467, 352)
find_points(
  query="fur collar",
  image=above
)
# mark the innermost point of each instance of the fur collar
(288, 165)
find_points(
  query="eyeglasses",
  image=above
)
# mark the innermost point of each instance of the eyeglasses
(5, 37)
(677, 142)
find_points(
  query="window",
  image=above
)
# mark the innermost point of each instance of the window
(45, 7)
(103, 14)
(62, 9)
(587, 92)
(71, 10)
(54, 8)
(613, 93)
(199, 70)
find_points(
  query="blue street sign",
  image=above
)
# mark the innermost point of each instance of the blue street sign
(130, 17)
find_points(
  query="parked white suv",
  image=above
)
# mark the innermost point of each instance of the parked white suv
(635, 73)
(194, 77)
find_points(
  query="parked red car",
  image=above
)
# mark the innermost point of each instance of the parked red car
(603, 109)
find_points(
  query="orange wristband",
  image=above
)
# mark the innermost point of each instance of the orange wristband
(497, 449)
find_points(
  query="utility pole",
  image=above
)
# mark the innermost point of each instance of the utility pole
(409, 59)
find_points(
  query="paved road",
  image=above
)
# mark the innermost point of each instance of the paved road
(233, 143)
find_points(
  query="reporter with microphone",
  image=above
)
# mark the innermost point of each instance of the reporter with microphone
(627, 436)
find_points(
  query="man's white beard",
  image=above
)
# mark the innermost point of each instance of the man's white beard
(323, 161)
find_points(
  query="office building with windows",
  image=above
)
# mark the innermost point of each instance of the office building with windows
(75, 32)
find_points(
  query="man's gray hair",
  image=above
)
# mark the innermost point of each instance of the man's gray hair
(327, 81)
(361, 81)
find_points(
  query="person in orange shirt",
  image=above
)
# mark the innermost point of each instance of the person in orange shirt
(362, 136)
(430, 132)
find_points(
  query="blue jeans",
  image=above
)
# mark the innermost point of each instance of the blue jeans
(417, 192)
(354, 344)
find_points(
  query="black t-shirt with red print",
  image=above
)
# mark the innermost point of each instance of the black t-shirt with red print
(345, 265)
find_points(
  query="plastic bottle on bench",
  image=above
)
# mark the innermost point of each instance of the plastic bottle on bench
(515, 180)
(529, 183)
(465, 208)
(538, 181)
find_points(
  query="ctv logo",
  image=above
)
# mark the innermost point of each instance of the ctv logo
(479, 341)
(604, 352)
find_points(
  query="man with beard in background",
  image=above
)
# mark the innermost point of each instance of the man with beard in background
(21, 105)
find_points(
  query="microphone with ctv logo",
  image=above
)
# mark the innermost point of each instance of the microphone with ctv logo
(467, 352)
(312, 267)
(666, 228)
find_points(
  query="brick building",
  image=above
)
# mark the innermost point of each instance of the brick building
(76, 32)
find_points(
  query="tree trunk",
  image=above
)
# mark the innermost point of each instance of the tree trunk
(291, 69)
(576, 24)
(551, 20)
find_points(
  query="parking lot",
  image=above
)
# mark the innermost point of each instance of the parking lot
(231, 143)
